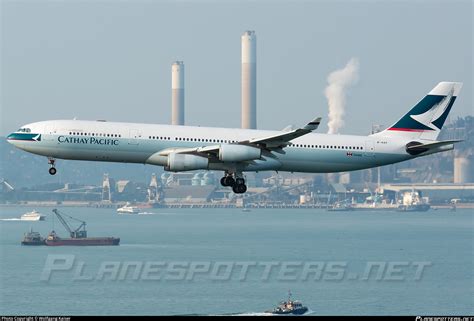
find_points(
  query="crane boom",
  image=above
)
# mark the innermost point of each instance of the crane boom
(77, 233)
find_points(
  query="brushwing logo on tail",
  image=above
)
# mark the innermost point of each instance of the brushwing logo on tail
(432, 117)
(428, 115)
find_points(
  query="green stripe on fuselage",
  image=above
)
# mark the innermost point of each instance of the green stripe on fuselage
(24, 136)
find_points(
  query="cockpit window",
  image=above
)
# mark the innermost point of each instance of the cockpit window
(24, 130)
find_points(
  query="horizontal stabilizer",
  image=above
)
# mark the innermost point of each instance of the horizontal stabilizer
(415, 148)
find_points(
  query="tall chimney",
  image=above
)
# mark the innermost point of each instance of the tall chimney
(249, 80)
(177, 93)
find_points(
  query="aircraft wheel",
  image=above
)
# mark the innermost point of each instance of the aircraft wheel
(223, 181)
(240, 181)
(52, 171)
(229, 181)
(235, 188)
(239, 189)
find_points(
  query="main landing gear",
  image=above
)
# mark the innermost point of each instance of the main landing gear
(237, 183)
(52, 169)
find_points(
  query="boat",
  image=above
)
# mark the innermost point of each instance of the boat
(33, 238)
(78, 236)
(128, 209)
(375, 206)
(32, 216)
(289, 307)
(54, 240)
(413, 202)
(340, 207)
(414, 208)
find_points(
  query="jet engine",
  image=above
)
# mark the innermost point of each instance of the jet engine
(183, 162)
(238, 153)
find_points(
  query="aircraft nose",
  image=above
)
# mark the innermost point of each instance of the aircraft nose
(10, 138)
(13, 139)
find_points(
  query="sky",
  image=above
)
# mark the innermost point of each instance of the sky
(112, 59)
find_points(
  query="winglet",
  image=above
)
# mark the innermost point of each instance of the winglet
(313, 125)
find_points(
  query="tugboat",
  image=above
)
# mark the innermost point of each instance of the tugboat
(289, 307)
(33, 238)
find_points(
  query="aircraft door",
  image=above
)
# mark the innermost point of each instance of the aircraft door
(49, 132)
(134, 136)
(369, 148)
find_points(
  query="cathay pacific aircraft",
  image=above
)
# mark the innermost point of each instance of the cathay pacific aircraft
(235, 151)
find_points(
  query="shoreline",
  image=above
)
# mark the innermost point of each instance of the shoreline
(217, 205)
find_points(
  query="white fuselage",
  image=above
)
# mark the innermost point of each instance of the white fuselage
(141, 143)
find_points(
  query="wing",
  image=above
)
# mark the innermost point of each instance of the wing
(271, 143)
(283, 139)
(201, 151)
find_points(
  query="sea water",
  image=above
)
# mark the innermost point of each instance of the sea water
(191, 261)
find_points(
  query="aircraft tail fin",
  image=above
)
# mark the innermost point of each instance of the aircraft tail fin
(427, 117)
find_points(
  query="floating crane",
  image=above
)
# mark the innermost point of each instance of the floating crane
(78, 236)
(79, 232)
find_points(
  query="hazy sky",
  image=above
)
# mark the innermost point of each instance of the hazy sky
(112, 59)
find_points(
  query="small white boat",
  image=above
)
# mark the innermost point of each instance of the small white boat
(32, 216)
(128, 209)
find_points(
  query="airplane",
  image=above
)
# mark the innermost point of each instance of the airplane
(235, 151)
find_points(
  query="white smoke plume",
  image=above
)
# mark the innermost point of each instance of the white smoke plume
(338, 82)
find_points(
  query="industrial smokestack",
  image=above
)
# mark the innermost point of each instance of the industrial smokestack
(177, 93)
(249, 80)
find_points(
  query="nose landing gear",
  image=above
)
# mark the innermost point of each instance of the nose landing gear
(52, 170)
